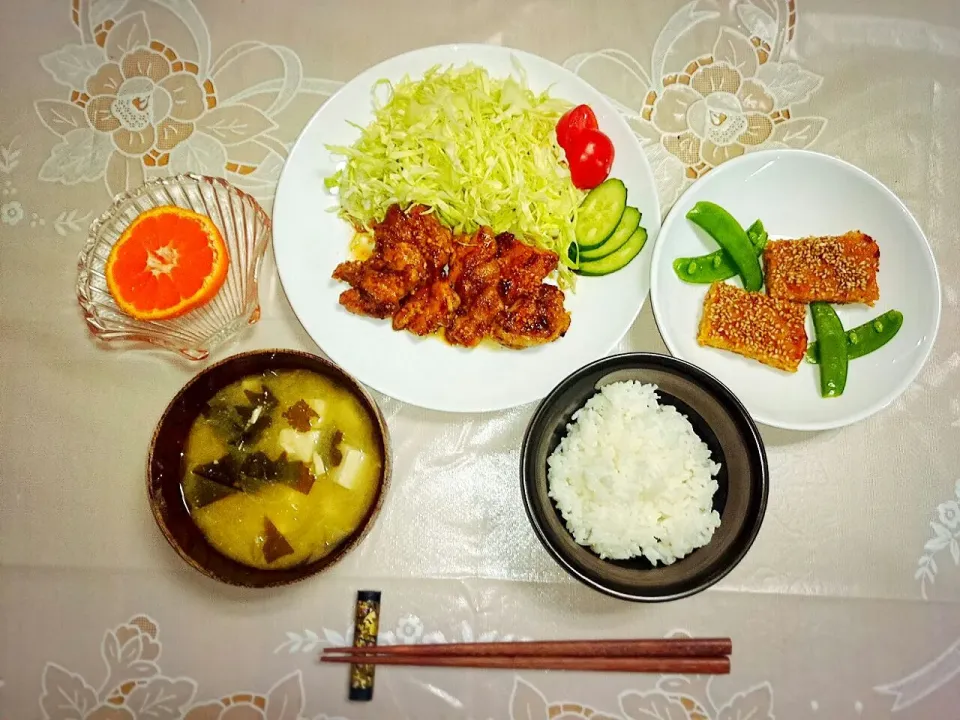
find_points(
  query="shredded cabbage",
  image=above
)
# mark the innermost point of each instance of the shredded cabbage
(477, 150)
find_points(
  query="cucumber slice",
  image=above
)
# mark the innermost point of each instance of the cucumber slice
(628, 223)
(618, 258)
(600, 213)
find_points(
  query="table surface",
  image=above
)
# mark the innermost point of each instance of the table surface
(848, 604)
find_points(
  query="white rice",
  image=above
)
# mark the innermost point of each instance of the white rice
(631, 477)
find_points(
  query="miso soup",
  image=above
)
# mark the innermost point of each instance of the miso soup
(280, 468)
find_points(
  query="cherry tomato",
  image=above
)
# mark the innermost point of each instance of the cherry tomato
(590, 157)
(573, 122)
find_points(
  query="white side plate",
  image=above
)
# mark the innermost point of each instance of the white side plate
(798, 193)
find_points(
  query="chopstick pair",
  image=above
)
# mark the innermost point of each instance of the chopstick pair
(701, 656)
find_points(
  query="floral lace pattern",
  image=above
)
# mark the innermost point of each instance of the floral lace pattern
(738, 96)
(13, 212)
(675, 697)
(946, 536)
(924, 681)
(409, 630)
(135, 107)
(135, 687)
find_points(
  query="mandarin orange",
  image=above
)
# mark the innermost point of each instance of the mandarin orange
(169, 261)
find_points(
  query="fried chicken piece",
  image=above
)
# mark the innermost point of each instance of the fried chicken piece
(522, 267)
(499, 281)
(473, 264)
(416, 238)
(382, 285)
(474, 275)
(428, 309)
(533, 319)
(411, 249)
(359, 303)
(349, 272)
(472, 287)
(757, 326)
(839, 269)
(534, 313)
(474, 321)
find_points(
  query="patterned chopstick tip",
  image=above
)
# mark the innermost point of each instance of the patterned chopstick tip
(366, 627)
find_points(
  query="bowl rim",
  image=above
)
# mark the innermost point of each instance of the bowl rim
(340, 551)
(702, 377)
(119, 198)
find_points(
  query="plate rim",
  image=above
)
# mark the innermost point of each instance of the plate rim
(520, 55)
(929, 258)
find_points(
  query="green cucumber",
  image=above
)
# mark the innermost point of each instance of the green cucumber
(628, 223)
(618, 258)
(600, 213)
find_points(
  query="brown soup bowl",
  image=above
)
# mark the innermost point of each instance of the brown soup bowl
(164, 467)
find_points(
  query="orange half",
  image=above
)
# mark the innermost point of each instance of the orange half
(168, 262)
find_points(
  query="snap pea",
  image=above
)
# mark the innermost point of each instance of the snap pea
(718, 265)
(757, 235)
(865, 338)
(833, 349)
(728, 234)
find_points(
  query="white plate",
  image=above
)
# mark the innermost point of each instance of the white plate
(799, 193)
(309, 242)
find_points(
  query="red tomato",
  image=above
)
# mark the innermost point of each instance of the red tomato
(590, 157)
(573, 122)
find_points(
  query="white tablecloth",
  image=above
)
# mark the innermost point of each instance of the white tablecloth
(848, 605)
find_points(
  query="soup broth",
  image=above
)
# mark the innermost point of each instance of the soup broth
(280, 468)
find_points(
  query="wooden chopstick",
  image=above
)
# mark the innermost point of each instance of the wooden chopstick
(704, 656)
(666, 647)
(679, 665)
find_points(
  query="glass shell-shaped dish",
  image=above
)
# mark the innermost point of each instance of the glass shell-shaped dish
(245, 228)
